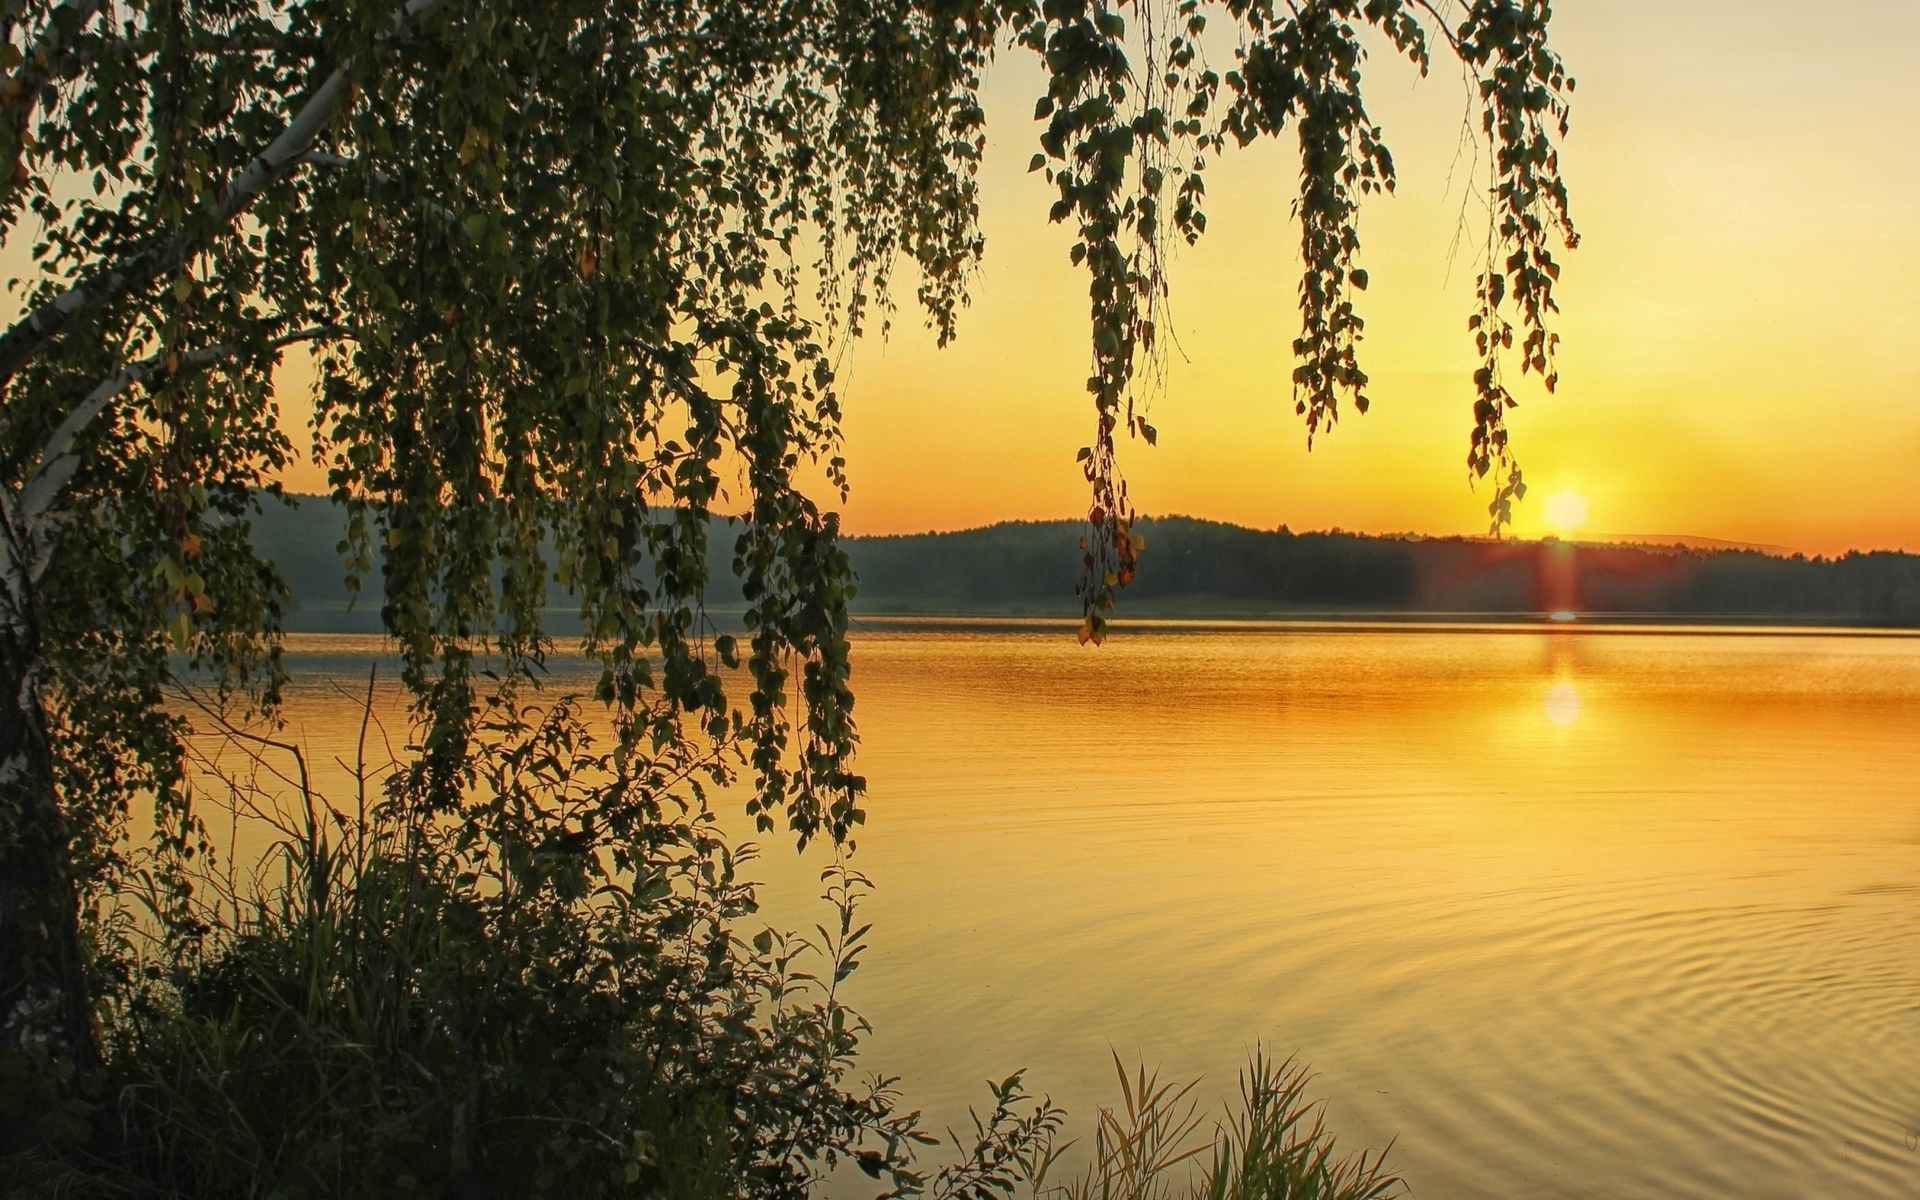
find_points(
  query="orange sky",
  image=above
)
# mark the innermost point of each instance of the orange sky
(1740, 322)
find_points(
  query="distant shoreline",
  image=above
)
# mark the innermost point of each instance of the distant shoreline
(369, 645)
(1193, 570)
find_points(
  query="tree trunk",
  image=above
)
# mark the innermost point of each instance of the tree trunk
(44, 1010)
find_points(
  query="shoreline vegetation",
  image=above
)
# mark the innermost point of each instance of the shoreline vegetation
(463, 1005)
(1207, 570)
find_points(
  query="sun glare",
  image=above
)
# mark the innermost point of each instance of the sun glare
(1567, 511)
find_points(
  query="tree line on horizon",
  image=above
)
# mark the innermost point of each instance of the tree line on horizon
(1196, 567)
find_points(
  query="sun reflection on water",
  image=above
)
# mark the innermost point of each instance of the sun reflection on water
(1563, 703)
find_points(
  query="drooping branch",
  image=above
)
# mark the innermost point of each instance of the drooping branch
(31, 333)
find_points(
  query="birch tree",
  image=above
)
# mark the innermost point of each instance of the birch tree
(575, 277)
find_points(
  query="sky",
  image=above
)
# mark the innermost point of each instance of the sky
(1740, 321)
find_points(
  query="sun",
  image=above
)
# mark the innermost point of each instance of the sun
(1567, 511)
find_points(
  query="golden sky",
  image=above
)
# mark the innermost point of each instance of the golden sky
(1740, 322)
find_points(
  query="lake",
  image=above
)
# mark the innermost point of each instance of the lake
(1564, 912)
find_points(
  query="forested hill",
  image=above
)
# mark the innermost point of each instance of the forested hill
(1195, 568)
(1206, 568)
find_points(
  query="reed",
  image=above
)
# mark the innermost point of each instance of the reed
(1275, 1145)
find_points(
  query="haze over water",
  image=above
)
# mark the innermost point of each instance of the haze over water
(1567, 913)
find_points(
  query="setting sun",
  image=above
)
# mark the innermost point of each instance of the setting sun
(1567, 511)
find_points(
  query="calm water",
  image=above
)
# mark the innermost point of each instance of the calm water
(1567, 913)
